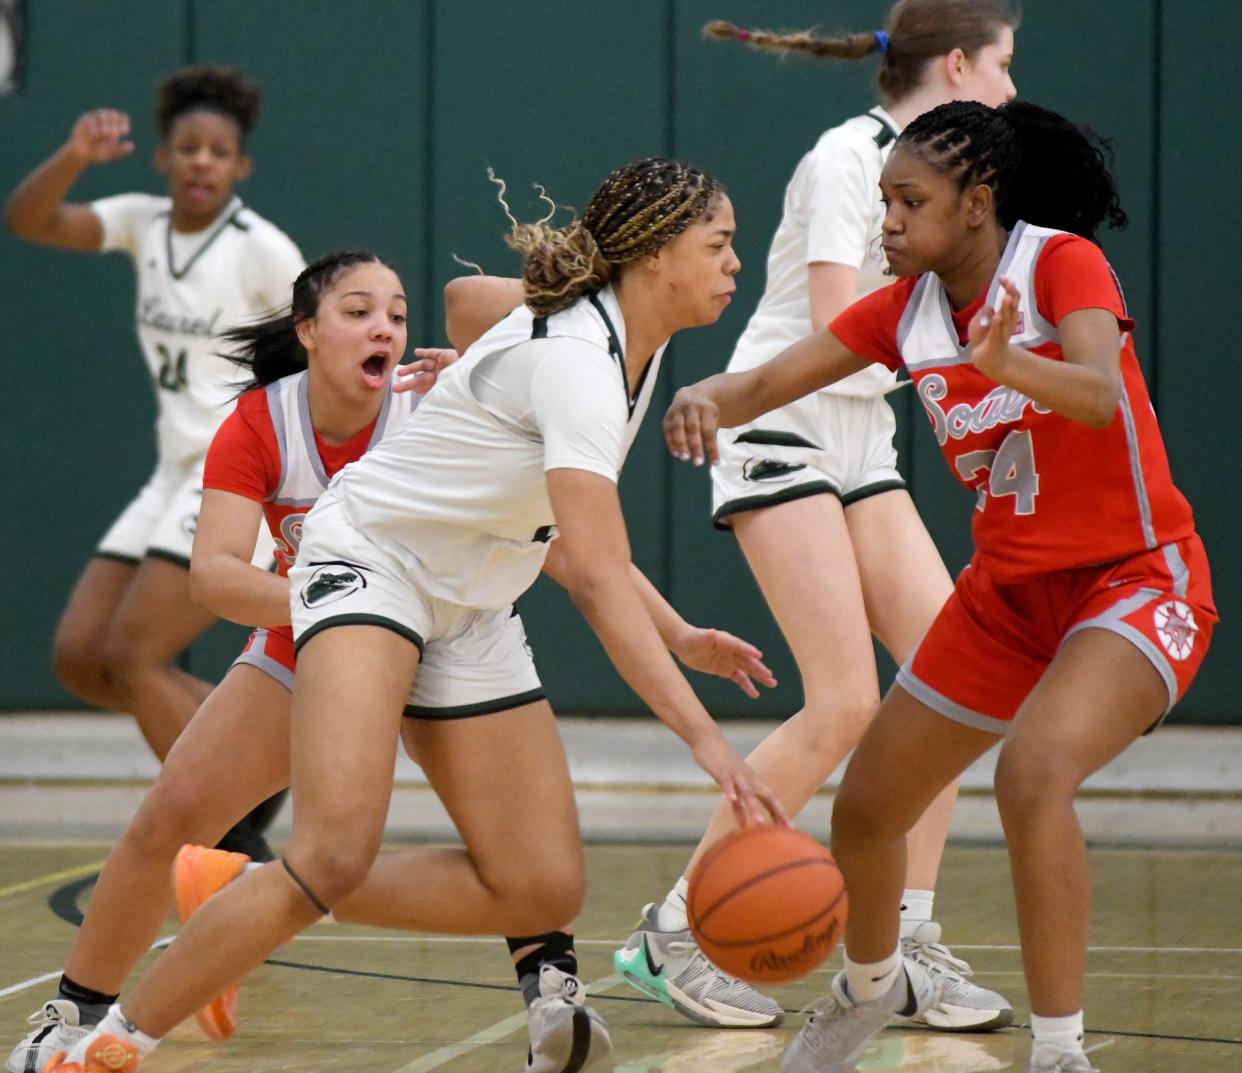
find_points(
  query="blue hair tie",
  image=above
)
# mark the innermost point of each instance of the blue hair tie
(881, 40)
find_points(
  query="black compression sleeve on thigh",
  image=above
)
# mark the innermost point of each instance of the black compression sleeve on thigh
(305, 889)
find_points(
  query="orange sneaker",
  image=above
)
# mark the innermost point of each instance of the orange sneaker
(104, 1054)
(198, 873)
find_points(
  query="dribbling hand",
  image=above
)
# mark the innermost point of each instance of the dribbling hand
(101, 136)
(752, 799)
(690, 426)
(421, 374)
(990, 330)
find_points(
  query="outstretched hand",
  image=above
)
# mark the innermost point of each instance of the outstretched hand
(690, 426)
(991, 329)
(752, 799)
(101, 136)
(718, 652)
(421, 374)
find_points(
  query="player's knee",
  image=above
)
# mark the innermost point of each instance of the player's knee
(171, 815)
(858, 816)
(80, 668)
(332, 867)
(827, 724)
(1027, 785)
(538, 895)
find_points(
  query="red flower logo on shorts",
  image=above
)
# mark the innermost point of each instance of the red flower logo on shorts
(1176, 628)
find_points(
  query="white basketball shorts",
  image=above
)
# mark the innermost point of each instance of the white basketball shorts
(821, 443)
(475, 661)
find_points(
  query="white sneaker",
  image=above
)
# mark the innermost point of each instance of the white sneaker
(1052, 1060)
(670, 967)
(839, 1029)
(962, 1006)
(565, 1035)
(58, 1028)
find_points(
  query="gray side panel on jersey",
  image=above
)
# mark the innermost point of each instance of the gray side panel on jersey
(1178, 568)
(1136, 470)
(308, 431)
(277, 414)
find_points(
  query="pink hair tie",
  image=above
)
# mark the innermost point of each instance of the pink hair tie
(743, 35)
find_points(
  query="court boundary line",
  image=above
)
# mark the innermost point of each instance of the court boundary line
(77, 872)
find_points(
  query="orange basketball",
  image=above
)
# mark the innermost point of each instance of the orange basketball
(767, 904)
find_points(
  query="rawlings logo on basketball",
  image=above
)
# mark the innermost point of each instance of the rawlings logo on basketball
(112, 1056)
(1176, 628)
(331, 582)
(815, 947)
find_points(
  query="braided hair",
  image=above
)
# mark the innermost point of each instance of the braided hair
(1041, 167)
(208, 88)
(636, 210)
(915, 33)
(270, 349)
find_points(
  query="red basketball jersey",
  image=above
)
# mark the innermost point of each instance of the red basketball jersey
(1052, 493)
(268, 450)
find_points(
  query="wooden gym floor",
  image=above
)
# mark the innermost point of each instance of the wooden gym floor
(1164, 986)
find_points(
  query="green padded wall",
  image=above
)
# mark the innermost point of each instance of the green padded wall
(378, 130)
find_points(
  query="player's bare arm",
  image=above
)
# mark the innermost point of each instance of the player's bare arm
(222, 578)
(595, 568)
(37, 210)
(700, 648)
(730, 399)
(1085, 387)
(472, 304)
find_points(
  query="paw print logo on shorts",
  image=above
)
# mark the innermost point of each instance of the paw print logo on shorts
(331, 582)
(1176, 628)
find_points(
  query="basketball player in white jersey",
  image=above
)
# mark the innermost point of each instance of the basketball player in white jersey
(813, 494)
(203, 262)
(406, 575)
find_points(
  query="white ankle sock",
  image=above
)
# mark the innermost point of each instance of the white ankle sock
(916, 909)
(115, 1023)
(870, 979)
(671, 916)
(1061, 1033)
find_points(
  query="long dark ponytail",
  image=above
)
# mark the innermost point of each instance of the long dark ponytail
(270, 349)
(1041, 167)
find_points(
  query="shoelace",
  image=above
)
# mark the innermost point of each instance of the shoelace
(941, 955)
(46, 1015)
(698, 957)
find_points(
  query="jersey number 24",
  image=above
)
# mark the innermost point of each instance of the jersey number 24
(1010, 471)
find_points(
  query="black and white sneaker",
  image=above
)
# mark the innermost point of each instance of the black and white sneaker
(57, 1028)
(565, 1034)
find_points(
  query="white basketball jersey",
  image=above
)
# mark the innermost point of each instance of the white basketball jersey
(462, 488)
(832, 213)
(191, 287)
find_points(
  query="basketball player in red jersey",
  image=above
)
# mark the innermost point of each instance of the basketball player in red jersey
(1087, 608)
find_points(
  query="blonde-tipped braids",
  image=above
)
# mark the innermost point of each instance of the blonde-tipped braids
(636, 210)
(845, 47)
(915, 32)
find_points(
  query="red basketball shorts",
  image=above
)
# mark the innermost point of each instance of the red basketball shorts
(270, 649)
(992, 642)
